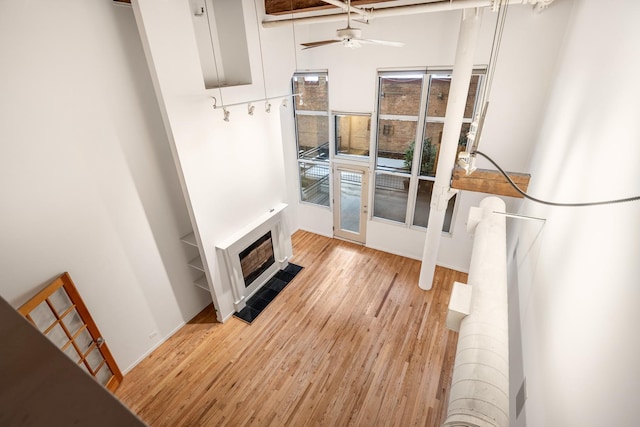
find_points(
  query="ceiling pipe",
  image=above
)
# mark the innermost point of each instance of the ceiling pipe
(342, 5)
(439, 6)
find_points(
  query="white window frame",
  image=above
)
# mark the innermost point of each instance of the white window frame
(357, 159)
(414, 176)
(300, 161)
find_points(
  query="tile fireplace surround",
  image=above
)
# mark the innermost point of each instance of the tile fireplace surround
(229, 250)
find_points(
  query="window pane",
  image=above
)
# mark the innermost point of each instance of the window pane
(71, 352)
(58, 336)
(390, 198)
(471, 97)
(352, 134)
(84, 340)
(313, 137)
(94, 359)
(314, 183)
(462, 140)
(311, 108)
(350, 196)
(400, 95)
(313, 92)
(438, 95)
(104, 375)
(395, 142)
(42, 316)
(423, 203)
(431, 146)
(73, 322)
(60, 300)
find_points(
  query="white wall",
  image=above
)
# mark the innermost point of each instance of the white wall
(233, 172)
(528, 53)
(87, 181)
(578, 274)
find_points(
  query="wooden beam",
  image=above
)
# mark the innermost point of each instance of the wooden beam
(489, 181)
(281, 7)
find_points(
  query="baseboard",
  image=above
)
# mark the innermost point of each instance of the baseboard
(155, 346)
(227, 317)
(450, 267)
(319, 233)
(399, 253)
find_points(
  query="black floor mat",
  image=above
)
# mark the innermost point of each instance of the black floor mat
(261, 299)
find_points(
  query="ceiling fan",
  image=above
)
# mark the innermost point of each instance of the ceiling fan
(350, 37)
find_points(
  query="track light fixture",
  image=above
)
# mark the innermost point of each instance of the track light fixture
(250, 107)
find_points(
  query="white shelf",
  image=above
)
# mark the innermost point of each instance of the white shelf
(201, 282)
(190, 239)
(197, 264)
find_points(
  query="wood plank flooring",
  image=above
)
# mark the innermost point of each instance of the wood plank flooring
(351, 341)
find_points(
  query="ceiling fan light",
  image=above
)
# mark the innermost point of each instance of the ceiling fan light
(352, 43)
(349, 33)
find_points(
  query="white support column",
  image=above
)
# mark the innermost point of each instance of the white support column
(460, 79)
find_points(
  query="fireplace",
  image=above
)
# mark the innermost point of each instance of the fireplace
(254, 254)
(256, 259)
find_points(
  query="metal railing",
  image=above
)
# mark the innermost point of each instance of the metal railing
(314, 179)
(321, 152)
(392, 182)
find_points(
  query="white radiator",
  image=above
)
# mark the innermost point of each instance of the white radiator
(479, 394)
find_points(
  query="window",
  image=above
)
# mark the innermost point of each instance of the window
(352, 134)
(311, 109)
(398, 112)
(399, 101)
(411, 116)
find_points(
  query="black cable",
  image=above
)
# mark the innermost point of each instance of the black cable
(544, 202)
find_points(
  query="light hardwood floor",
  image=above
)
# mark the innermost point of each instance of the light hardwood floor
(351, 340)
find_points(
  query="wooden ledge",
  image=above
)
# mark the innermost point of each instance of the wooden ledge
(489, 181)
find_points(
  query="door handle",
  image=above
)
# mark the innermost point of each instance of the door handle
(99, 341)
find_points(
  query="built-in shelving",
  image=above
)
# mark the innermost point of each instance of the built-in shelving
(202, 282)
(190, 239)
(196, 263)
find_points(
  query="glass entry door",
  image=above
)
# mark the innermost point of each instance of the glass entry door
(350, 203)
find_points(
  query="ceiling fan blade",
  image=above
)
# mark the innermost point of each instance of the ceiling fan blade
(381, 42)
(318, 44)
